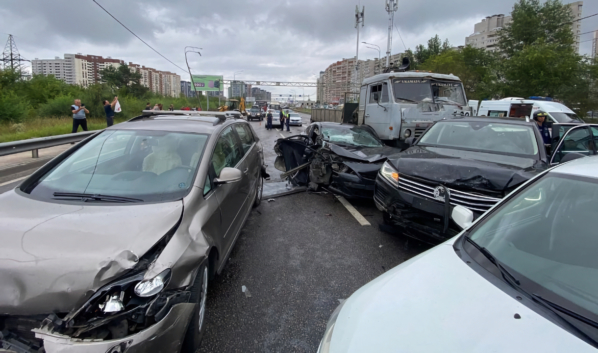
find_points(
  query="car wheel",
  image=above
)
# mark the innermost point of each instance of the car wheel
(259, 191)
(196, 328)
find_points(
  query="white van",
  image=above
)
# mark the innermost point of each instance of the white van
(558, 113)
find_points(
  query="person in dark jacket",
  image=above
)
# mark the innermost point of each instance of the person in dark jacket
(109, 110)
(281, 119)
(540, 118)
(269, 120)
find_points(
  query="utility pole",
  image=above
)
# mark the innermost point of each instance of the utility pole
(391, 7)
(359, 19)
(11, 59)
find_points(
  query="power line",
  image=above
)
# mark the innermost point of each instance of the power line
(133, 33)
(401, 38)
(590, 32)
(583, 18)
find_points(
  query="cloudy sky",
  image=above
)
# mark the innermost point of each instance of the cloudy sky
(269, 40)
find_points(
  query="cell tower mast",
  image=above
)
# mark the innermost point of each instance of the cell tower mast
(11, 59)
(391, 7)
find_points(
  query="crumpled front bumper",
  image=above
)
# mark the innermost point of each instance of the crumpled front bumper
(419, 217)
(166, 336)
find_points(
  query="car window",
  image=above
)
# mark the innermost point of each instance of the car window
(384, 98)
(226, 152)
(482, 136)
(577, 140)
(497, 113)
(375, 91)
(546, 235)
(208, 185)
(145, 165)
(245, 135)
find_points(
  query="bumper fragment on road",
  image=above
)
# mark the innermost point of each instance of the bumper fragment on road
(353, 211)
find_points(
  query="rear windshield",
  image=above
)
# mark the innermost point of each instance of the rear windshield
(145, 165)
(482, 136)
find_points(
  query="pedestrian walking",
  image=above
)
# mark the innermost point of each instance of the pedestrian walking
(79, 118)
(148, 106)
(269, 120)
(288, 121)
(109, 110)
(281, 120)
(171, 108)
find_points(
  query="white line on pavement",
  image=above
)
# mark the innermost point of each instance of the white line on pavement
(12, 181)
(281, 135)
(353, 211)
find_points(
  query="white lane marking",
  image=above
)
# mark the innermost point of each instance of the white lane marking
(15, 180)
(281, 135)
(353, 211)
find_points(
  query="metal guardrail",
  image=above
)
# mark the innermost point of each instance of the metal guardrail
(35, 144)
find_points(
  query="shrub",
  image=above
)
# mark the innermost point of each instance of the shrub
(13, 109)
(59, 106)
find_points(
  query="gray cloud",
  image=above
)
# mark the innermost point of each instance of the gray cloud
(266, 39)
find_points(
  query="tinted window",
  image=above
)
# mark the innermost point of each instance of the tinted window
(146, 165)
(226, 152)
(483, 136)
(245, 135)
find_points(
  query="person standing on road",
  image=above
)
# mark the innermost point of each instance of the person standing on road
(281, 120)
(540, 118)
(287, 120)
(148, 106)
(109, 110)
(79, 118)
(269, 120)
(171, 108)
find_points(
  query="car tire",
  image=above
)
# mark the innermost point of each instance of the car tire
(259, 192)
(196, 328)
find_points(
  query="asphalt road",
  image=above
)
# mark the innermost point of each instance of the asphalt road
(297, 256)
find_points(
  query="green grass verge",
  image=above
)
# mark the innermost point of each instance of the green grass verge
(44, 127)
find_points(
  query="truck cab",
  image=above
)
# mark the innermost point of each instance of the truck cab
(399, 105)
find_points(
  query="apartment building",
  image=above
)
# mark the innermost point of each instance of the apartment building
(261, 94)
(85, 70)
(237, 89)
(486, 32)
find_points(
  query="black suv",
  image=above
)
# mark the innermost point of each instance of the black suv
(472, 162)
(255, 113)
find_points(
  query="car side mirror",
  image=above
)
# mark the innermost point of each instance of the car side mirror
(462, 216)
(229, 176)
(410, 141)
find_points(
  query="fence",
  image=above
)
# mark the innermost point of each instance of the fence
(34, 145)
(333, 115)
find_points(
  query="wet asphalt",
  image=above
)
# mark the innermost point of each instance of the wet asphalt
(297, 256)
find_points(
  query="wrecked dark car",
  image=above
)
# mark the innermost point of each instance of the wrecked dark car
(109, 247)
(342, 158)
(471, 162)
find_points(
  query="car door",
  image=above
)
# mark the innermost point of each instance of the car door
(576, 139)
(377, 110)
(251, 159)
(231, 199)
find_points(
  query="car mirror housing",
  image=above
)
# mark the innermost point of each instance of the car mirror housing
(229, 176)
(462, 216)
(410, 141)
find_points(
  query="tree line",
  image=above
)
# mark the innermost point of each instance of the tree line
(535, 56)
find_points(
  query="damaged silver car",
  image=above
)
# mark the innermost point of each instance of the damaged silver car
(342, 158)
(109, 247)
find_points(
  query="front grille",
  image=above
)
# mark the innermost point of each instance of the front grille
(419, 131)
(474, 202)
(380, 194)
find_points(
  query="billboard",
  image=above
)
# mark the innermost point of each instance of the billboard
(207, 83)
(250, 99)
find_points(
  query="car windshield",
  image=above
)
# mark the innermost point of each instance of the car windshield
(146, 165)
(566, 117)
(354, 136)
(547, 234)
(482, 136)
(431, 91)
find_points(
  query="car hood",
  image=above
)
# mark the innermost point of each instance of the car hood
(364, 154)
(436, 303)
(53, 255)
(466, 169)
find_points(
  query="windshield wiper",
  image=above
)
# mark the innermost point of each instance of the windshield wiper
(93, 197)
(503, 271)
(571, 313)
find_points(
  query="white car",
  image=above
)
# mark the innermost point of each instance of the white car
(276, 118)
(295, 119)
(522, 278)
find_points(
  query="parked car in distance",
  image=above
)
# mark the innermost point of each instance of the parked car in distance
(295, 119)
(255, 113)
(471, 162)
(343, 158)
(109, 246)
(523, 271)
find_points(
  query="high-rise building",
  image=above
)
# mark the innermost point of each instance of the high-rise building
(237, 89)
(260, 94)
(85, 70)
(486, 32)
(186, 89)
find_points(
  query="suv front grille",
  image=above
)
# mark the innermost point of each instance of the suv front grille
(474, 202)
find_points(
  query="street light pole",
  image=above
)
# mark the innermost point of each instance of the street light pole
(378, 49)
(359, 19)
(193, 50)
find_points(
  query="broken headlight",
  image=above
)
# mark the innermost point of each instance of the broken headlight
(153, 286)
(390, 174)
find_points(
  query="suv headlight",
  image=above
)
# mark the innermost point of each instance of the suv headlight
(325, 343)
(153, 286)
(390, 174)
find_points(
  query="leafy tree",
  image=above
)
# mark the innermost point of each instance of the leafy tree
(121, 77)
(435, 47)
(533, 22)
